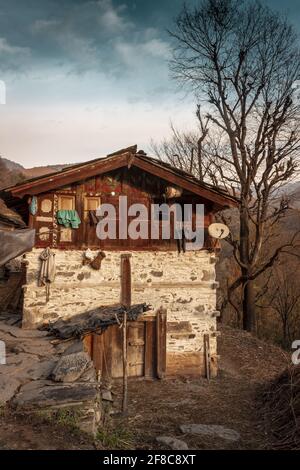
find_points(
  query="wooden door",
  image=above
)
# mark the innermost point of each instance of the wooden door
(146, 348)
(136, 349)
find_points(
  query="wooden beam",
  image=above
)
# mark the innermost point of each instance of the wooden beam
(105, 165)
(194, 187)
(47, 183)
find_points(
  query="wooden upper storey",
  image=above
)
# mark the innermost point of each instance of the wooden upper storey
(84, 187)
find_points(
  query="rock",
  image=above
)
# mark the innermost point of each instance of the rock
(18, 359)
(41, 370)
(172, 443)
(42, 393)
(211, 430)
(13, 320)
(8, 387)
(38, 346)
(156, 273)
(21, 333)
(35, 385)
(89, 375)
(70, 367)
(27, 368)
(76, 347)
(19, 369)
(106, 395)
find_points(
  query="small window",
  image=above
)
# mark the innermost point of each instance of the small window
(66, 202)
(91, 203)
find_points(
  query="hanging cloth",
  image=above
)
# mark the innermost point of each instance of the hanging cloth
(47, 273)
(93, 219)
(33, 205)
(68, 218)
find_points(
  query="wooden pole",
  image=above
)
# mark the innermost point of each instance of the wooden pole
(125, 366)
(207, 355)
(161, 334)
(126, 301)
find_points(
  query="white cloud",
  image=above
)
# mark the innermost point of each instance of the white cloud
(137, 54)
(157, 48)
(13, 58)
(41, 26)
(7, 48)
(111, 17)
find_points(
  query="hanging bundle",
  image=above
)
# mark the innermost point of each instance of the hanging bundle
(96, 263)
(47, 273)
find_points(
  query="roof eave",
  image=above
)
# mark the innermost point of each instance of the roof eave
(113, 162)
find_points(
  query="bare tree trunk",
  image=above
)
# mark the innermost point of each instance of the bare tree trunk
(249, 311)
(248, 302)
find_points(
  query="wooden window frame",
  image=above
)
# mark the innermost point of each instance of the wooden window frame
(85, 205)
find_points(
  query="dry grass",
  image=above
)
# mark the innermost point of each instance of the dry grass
(281, 409)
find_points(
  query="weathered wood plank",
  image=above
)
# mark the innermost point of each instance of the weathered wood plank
(161, 333)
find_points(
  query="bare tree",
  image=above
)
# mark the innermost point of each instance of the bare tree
(242, 60)
(283, 297)
(187, 150)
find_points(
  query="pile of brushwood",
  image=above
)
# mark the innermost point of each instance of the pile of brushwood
(94, 321)
(281, 410)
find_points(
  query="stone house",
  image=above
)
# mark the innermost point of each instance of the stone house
(163, 274)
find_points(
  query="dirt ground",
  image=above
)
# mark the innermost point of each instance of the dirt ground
(19, 432)
(158, 408)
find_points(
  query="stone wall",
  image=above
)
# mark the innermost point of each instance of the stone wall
(50, 380)
(182, 283)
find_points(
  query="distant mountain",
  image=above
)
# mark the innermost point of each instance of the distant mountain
(12, 166)
(12, 172)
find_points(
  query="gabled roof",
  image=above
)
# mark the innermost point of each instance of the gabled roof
(126, 157)
(10, 217)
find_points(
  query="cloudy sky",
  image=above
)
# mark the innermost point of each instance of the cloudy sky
(86, 77)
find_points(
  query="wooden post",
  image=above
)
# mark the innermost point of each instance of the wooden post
(161, 333)
(126, 301)
(125, 280)
(207, 356)
(125, 366)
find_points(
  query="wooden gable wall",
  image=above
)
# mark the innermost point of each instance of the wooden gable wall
(138, 186)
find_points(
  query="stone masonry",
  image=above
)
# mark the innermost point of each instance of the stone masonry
(182, 283)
